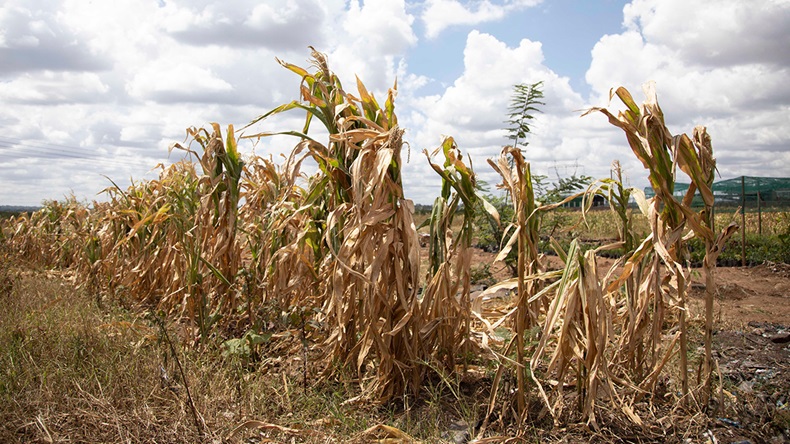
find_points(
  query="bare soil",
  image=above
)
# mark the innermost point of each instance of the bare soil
(744, 295)
(752, 346)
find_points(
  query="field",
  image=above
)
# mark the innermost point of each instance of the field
(239, 299)
(72, 371)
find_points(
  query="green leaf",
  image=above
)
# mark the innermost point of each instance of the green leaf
(218, 274)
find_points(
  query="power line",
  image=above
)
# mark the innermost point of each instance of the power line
(100, 162)
(17, 140)
(52, 147)
(46, 150)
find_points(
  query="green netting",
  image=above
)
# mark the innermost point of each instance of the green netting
(767, 191)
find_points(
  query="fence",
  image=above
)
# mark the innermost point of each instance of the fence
(745, 191)
(747, 194)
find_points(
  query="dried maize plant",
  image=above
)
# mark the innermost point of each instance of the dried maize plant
(618, 197)
(446, 305)
(661, 154)
(50, 236)
(212, 252)
(695, 158)
(652, 143)
(18, 236)
(74, 226)
(91, 266)
(147, 224)
(125, 229)
(280, 237)
(374, 274)
(640, 348)
(58, 235)
(576, 338)
(6, 251)
(5, 231)
(531, 299)
(632, 318)
(29, 239)
(588, 325)
(367, 257)
(48, 233)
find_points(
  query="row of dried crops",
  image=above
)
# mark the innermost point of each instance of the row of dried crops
(221, 242)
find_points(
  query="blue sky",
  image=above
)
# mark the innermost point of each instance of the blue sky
(103, 88)
(567, 29)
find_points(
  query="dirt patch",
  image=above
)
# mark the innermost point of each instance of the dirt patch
(754, 388)
(747, 295)
(758, 294)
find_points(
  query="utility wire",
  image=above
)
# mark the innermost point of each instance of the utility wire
(45, 150)
(51, 147)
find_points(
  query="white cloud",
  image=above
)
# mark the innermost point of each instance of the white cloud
(383, 25)
(723, 64)
(716, 33)
(276, 24)
(700, 69)
(473, 110)
(50, 88)
(33, 38)
(165, 82)
(439, 15)
(377, 33)
(118, 81)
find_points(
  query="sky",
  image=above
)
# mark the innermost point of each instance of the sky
(98, 90)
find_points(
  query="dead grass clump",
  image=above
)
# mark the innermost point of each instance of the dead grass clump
(70, 372)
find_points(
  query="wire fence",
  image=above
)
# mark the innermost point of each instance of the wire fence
(748, 192)
(759, 198)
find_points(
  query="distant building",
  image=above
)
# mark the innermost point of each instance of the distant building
(598, 201)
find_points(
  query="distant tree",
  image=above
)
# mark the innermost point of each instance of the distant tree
(564, 187)
(521, 111)
(523, 105)
(422, 209)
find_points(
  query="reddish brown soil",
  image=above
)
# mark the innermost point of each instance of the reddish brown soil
(750, 295)
(744, 295)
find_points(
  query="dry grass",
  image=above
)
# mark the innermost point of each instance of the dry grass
(70, 371)
(73, 373)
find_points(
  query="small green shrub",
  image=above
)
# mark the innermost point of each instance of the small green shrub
(481, 274)
(759, 249)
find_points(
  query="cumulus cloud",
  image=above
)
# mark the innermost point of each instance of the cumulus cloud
(377, 34)
(722, 64)
(51, 88)
(276, 24)
(32, 38)
(113, 83)
(164, 82)
(473, 110)
(108, 85)
(439, 15)
(478, 98)
(383, 25)
(713, 69)
(715, 33)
